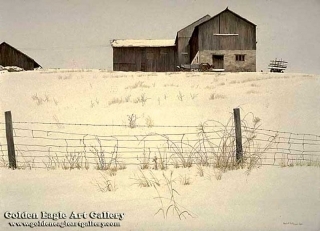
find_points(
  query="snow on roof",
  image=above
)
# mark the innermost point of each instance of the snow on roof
(142, 43)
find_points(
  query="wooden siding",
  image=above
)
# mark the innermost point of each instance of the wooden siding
(149, 59)
(194, 44)
(227, 23)
(10, 56)
(183, 37)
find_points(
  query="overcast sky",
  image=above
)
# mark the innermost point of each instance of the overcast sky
(76, 33)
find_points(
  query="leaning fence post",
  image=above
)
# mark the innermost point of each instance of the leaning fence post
(10, 142)
(237, 122)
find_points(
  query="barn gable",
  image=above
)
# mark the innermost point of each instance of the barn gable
(10, 56)
(227, 41)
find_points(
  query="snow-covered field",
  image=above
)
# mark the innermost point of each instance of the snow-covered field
(268, 198)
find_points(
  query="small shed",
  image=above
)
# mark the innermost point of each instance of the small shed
(10, 56)
(143, 55)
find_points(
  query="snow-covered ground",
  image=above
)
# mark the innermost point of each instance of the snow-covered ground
(268, 198)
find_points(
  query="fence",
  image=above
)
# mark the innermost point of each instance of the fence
(105, 146)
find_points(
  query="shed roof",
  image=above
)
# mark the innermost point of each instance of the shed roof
(142, 43)
(36, 65)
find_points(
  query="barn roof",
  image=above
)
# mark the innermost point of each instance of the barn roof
(142, 43)
(36, 65)
(199, 21)
(227, 9)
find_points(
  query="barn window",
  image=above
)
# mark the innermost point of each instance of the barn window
(240, 57)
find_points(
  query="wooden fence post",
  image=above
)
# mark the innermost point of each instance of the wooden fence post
(10, 142)
(237, 122)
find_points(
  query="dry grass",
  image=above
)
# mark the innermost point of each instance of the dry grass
(104, 184)
(180, 96)
(171, 85)
(185, 180)
(252, 92)
(143, 180)
(234, 82)
(169, 203)
(138, 84)
(41, 99)
(214, 96)
(149, 122)
(115, 101)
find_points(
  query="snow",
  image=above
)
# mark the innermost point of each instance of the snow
(142, 43)
(11, 68)
(269, 198)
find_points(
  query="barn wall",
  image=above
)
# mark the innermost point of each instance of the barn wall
(227, 23)
(11, 57)
(183, 37)
(230, 63)
(194, 44)
(149, 59)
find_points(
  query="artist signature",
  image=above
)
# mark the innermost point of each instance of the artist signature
(292, 223)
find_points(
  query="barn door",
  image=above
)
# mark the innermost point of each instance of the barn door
(218, 61)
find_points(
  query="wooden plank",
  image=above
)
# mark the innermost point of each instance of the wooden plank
(237, 122)
(10, 142)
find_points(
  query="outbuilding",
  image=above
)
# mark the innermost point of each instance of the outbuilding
(143, 55)
(10, 56)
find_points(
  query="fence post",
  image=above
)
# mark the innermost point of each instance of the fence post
(237, 122)
(10, 142)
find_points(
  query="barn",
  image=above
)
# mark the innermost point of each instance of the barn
(10, 56)
(143, 55)
(226, 41)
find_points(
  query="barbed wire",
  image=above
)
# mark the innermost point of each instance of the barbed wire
(104, 136)
(283, 132)
(204, 144)
(122, 125)
(102, 139)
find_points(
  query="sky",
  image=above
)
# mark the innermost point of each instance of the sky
(77, 33)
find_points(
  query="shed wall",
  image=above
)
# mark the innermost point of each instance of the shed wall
(149, 59)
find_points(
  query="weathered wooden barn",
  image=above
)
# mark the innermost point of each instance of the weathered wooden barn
(10, 56)
(143, 55)
(227, 41)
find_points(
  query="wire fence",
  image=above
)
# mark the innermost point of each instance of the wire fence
(107, 146)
